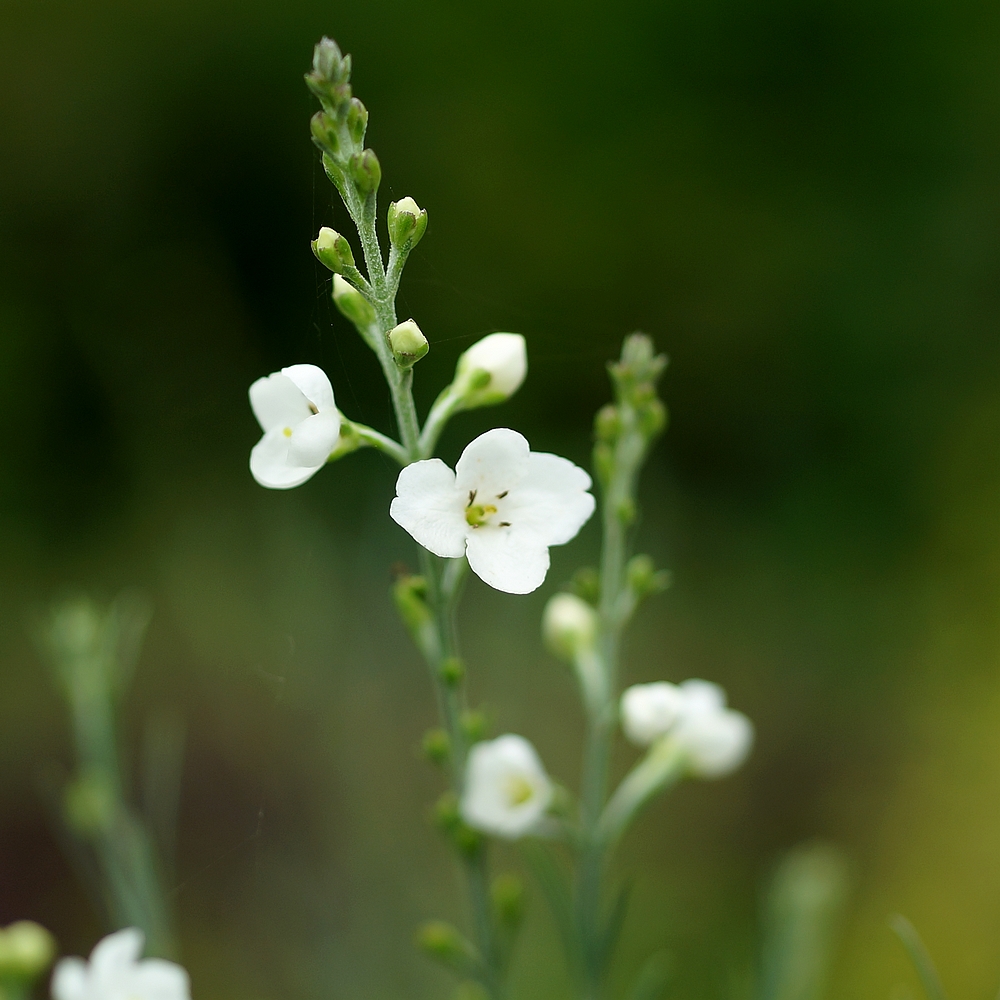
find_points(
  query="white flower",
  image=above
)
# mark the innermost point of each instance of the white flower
(715, 739)
(506, 788)
(116, 973)
(503, 358)
(301, 425)
(503, 506)
(649, 711)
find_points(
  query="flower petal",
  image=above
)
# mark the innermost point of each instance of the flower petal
(551, 499)
(313, 440)
(69, 981)
(115, 954)
(156, 979)
(430, 508)
(494, 462)
(313, 383)
(277, 401)
(270, 465)
(514, 560)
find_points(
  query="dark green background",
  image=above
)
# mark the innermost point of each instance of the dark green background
(799, 199)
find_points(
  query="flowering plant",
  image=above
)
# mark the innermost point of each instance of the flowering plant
(498, 512)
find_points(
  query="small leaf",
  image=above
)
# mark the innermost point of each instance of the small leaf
(921, 960)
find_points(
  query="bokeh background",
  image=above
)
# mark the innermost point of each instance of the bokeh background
(799, 199)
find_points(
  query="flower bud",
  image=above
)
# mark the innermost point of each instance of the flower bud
(650, 711)
(26, 950)
(643, 577)
(442, 941)
(569, 626)
(408, 344)
(333, 250)
(607, 423)
(352, 303)
(491, 371)
(436, 746)
(407, 222)
(365, 171)
(357, 121)
(324, 131)
(507, 893)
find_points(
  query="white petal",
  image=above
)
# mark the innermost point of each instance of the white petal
(716, 743)
(69, 981)
(512, 559)
(116, 954)
(313, 440)
(277, 401)
(313, 383)
(504, 356)
(650, 711)
(430, 508)
(494, 462)
(156, 979)
(270, 466)
(551, 499)
(702, 698)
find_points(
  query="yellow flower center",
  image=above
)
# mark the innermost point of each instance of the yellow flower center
(518, 790)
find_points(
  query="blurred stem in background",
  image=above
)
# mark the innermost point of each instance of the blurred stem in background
(802, 913)
(123, 852)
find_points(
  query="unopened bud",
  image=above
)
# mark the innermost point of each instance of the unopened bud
(437, 746)
(90, 803)
(365, 171)
(491, 371)
(26, 951)
(643, 577)
(607, 423)
(324, 132)
(357, 121)
(508, 900)
(407, 222)
(569, 626)
(408, 344)
(451, 671)
(443, 942)
(352, 303)
(333, 250)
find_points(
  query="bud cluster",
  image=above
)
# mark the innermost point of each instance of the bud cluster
(624, 430)
(339, 129)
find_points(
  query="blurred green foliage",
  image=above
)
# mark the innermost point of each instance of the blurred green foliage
(798, 199)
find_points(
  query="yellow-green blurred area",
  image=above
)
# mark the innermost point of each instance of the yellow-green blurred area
(799, 199)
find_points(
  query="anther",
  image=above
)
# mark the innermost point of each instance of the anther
(500, 496)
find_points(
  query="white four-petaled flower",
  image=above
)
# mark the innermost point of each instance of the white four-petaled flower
(301, 425)
(115, 972)
(715, 739)
(503, 506)
(506, 788)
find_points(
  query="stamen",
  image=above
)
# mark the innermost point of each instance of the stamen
(287, 432)
(472, 497)
(500, 496)
(504, 524)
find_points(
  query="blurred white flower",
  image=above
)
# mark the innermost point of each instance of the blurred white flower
(492, 370)
(503, 506)
(301, 425)
(506, 788)
(115, 972)
(649, 711)
(715, 739)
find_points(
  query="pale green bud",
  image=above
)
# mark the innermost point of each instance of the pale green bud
(408, 344)
(490, 371)
(365, 171)
(407, 222)
(333, 250)
(569, 626)
(26, 951)
(352, 303)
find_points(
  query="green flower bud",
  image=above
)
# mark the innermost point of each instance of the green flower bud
(569, 626)
(586, 583)
(357, 121)
(474, 725)
(90, 803)
(507, 892)
(26, 951)
(407, 222)
(408, 344)
(452, 671)
(352, 303)
(324, 132)
(436, 746)
(365, 171)
(333, 250)
(410, 595)
(607, 423)
(442, 941)
(643, 578)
